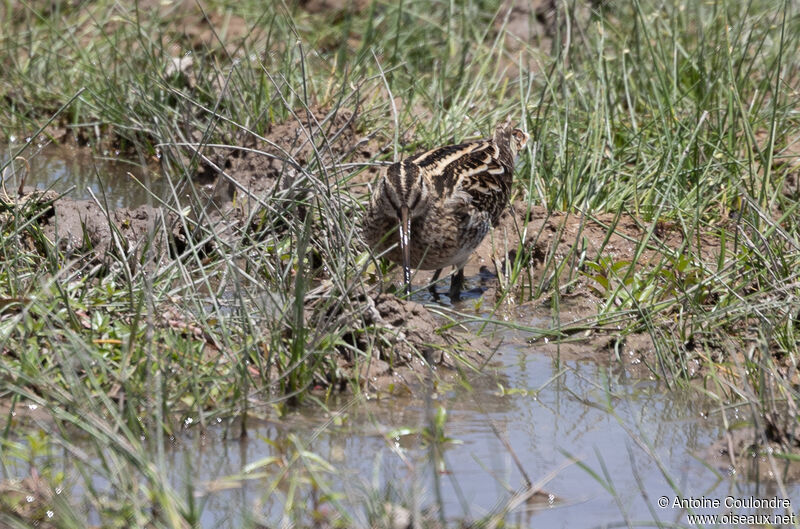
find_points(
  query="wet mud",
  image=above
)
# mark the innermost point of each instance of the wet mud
(318, 140)
(760, 457)
(411, 348)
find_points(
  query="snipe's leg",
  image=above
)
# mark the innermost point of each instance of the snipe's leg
(456, 282)
(432, 286)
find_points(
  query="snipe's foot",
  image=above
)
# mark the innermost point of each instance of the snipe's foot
(434, 293)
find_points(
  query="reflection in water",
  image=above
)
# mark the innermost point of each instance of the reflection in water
(63, 168)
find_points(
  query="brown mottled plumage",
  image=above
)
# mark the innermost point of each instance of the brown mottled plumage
(444, 201)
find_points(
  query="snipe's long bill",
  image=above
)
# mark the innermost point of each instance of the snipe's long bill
(405, 246)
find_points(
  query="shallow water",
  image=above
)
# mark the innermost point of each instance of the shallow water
(632, 434)
(79, 173)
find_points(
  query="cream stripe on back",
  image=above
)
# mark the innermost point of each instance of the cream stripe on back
(439, 165)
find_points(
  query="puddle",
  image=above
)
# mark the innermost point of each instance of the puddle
(625, 431)
(620, 429)
(62, 168)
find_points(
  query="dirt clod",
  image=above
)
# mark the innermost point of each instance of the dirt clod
(318, 139)
(408, 348)
(414, 325)
(82, 225)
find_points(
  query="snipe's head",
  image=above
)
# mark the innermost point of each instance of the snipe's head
(402, 186)
(401, 195)
(507, 137)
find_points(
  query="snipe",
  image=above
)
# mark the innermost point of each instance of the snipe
(440, 204)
